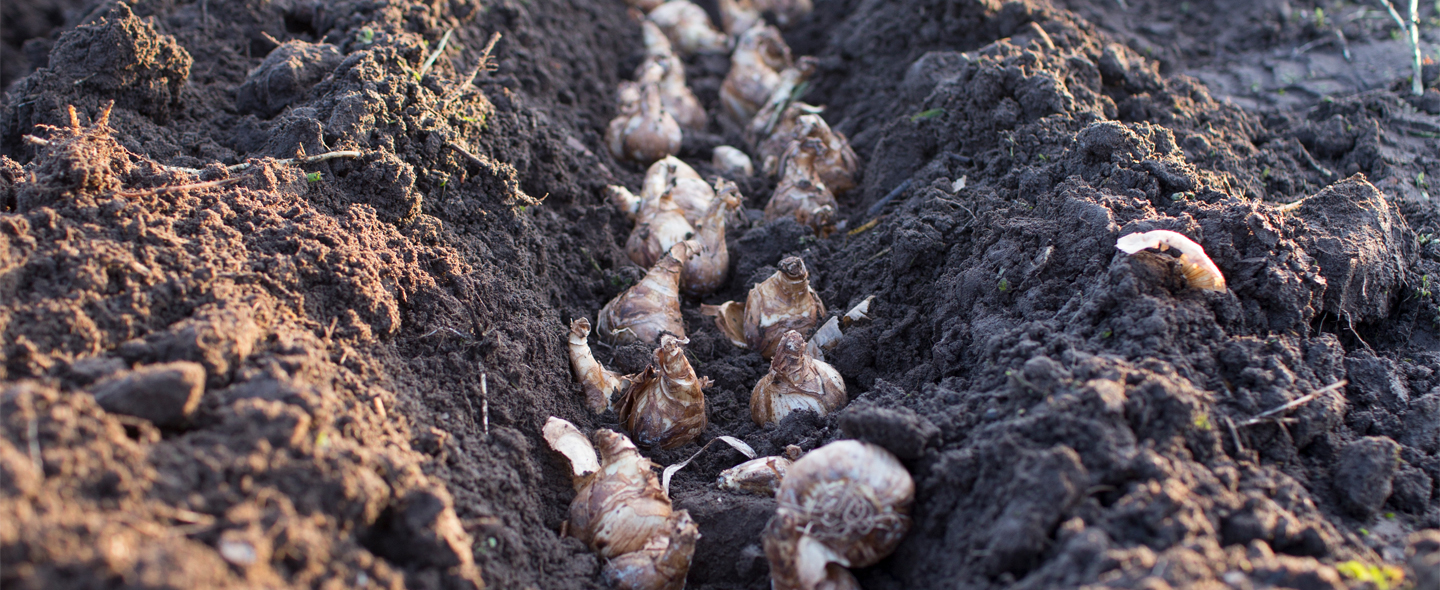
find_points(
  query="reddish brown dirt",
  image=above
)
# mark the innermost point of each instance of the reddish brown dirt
(1071, 415)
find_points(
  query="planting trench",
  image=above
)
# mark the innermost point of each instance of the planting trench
(1070, 415)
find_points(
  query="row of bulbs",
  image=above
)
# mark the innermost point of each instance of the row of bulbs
(843, 505)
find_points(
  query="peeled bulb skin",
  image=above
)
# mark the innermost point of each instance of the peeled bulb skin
(689, 28)
(652, 306)
(658, 228)
(801, 194)
(757, 476)
(843, 505)
(598, 383)
(779, 304)
(666, 405)
(706, 272)
(796, 381)
(760, 55)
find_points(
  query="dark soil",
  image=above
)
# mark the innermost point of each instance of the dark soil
(1071, 415)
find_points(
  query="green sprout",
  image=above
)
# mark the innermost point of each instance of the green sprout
(1202, 422)
(1424, 289)
(313, 177)
(1380, 577)
(1107, 333)
(930, 114)
(366, 35)
(1003, 285)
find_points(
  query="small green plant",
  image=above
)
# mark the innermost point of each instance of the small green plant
(1319, 17)
(1107, 333)
(1202, 421)
(1003, 285)
(927, 114)
(1424, 239)
(1424, 290)
(314, 177)
(1381, 577)
(1265, 173)
(366, 35)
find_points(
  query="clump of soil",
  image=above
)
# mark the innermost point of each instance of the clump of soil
(222, 367)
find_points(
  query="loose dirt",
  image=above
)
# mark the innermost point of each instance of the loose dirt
(1071, 415)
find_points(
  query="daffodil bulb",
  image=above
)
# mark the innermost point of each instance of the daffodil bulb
(651, 307)
(801, 193)
(796, 381)
(779, 304)
(843, 505)
(760, 55)
(689, 28)
(834, 164)
(644, 132)
(599, 384)
(732, 162)
(707, 271)
(660, 225)
(666, 405)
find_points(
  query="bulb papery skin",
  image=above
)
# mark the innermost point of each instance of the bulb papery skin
(599, 384)
(760, 476)
(707, 271)
(650, 307)
(622, 507)
(658, 228)
(662, 564)
(779, 304)
(770, 149)
(834, 163)
(796, 381)
(760, 55)
(665, 407)
(845, 504)
(689, 28)
(738, 16)
(644, 130)
(801, 194)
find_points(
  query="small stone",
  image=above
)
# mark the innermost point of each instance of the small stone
(165, 394)
(1365, 474)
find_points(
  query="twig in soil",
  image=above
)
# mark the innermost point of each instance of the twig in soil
(447, 329)
(1234, 435)
(1411, 29)
(286, 162)
(485, 402)
(486, 64)
(880, 205)
(165, 190)
(1309, 159)
(32, 435)
(1292, 404)
(439, 49)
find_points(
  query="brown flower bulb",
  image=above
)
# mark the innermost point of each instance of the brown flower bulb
(757, 476)
(782, 96)
(644, 5)
(786, 12)
(738, 16)
(731, 162)
(730, 319)
(779, 304)
(689, 28)
(706, 272)
(662, 564)
(796, 381)
(660, 225)
(835, 162)
(652, 306)
(644, 131)
(843, 505)
(760, 56)
(599, 384)
(770, 149)
(801, 193)
(661, 176)
(677, 97)
(666, 405)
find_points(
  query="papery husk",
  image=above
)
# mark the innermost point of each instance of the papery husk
(801, 194)
(1200, 271)
(689, 28)
(659, 227)
(651, 307)
(835, 162)
(757, 476)
(622, 507)
(730, 319)
(760, 55)
(599, 384)
(675, 95)
(731, 162)
(645, 131)
(564, 438)
(666, 405)
(796, 381)
(707, 270)
(845, 504)
(779, 304)
(662, 564)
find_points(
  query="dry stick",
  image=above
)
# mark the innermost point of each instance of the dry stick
(1294, 403)
(1412, 34)
(32, 435)
(430, 61)
(485, 402)
(162, 190)
(486, 64)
